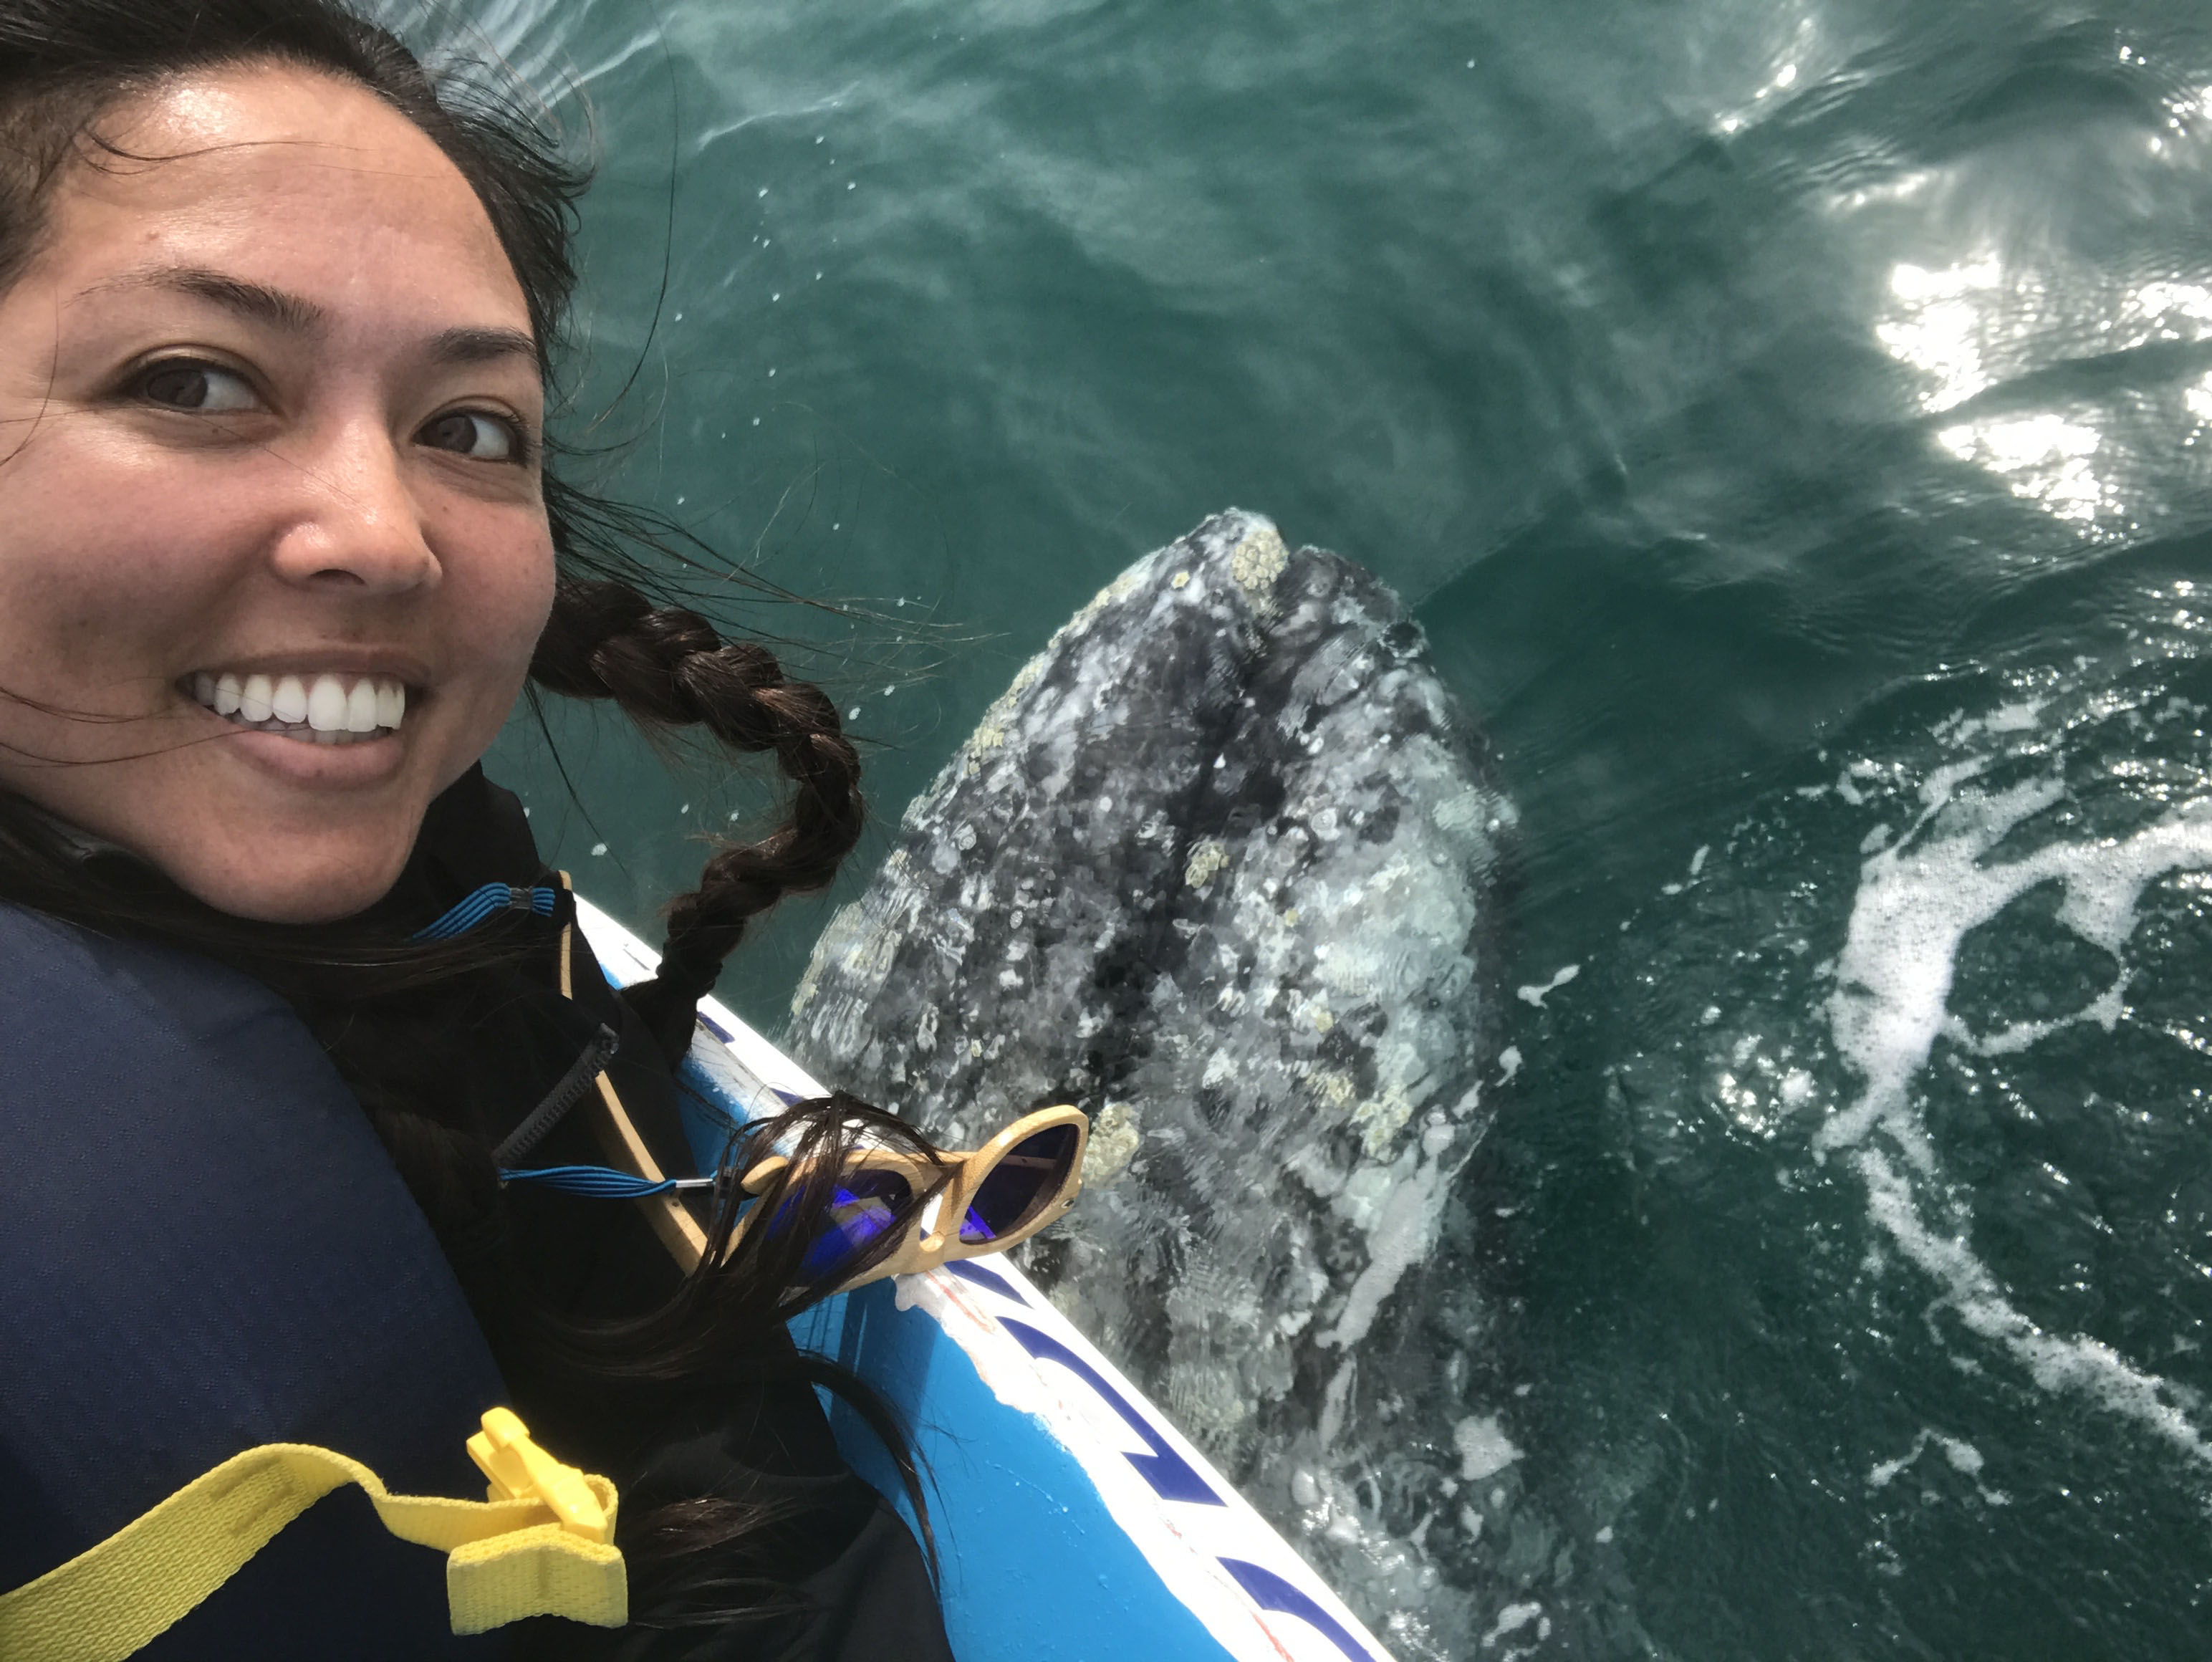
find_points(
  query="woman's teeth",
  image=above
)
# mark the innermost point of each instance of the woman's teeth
(326, 710)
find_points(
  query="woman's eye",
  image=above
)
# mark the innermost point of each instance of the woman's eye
(472, 433)
(204, 388)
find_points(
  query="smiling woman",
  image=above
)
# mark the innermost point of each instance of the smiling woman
(282, 550)
(310, 477)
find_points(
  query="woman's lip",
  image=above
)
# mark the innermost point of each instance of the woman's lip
(364, 762)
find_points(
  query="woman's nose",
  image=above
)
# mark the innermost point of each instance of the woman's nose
(360, 527)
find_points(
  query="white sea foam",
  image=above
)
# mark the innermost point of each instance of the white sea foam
(1400, 1233)
(1512, 1619)
(1485, 1450)
(1962, 1457)
(1537, 994)
(1917, 900)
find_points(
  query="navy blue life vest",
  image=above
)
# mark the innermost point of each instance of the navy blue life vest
(203, 1248)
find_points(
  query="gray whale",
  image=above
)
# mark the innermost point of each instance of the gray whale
(1219, 867)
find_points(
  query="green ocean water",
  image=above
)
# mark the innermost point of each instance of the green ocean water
(1793, 427)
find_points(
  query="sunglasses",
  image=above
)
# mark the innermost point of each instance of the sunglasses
(988, 1199)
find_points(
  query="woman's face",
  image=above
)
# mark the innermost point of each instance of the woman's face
(268, 419)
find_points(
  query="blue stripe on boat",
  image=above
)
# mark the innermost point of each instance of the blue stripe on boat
(1167, 1471)
(1271, 1593)
(968, 1270)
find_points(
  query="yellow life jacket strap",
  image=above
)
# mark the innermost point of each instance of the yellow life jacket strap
(542, 1545)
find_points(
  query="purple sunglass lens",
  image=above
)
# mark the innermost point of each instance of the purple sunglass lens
(1017, 1188)
(867, 1203)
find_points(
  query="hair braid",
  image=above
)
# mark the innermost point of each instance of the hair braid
(666, 665)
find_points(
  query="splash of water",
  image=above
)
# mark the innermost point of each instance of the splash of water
(1917, 900)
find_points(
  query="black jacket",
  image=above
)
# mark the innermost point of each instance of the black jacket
(202, 1247)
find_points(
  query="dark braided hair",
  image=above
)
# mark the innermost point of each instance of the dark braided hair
(665, 665)
(384, 1009)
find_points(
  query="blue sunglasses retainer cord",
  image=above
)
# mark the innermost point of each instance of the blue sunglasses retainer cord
(487, 902)
(602, 1181)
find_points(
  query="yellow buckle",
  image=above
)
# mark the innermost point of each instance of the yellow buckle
(520, 1471)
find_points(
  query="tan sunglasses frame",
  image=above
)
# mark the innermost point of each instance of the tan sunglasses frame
(925, 1252)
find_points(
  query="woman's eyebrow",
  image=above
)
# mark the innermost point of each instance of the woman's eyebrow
(256, 301)
(465, 344)
(482, 345)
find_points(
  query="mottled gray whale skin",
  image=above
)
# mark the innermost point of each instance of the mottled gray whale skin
(1218, 868)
